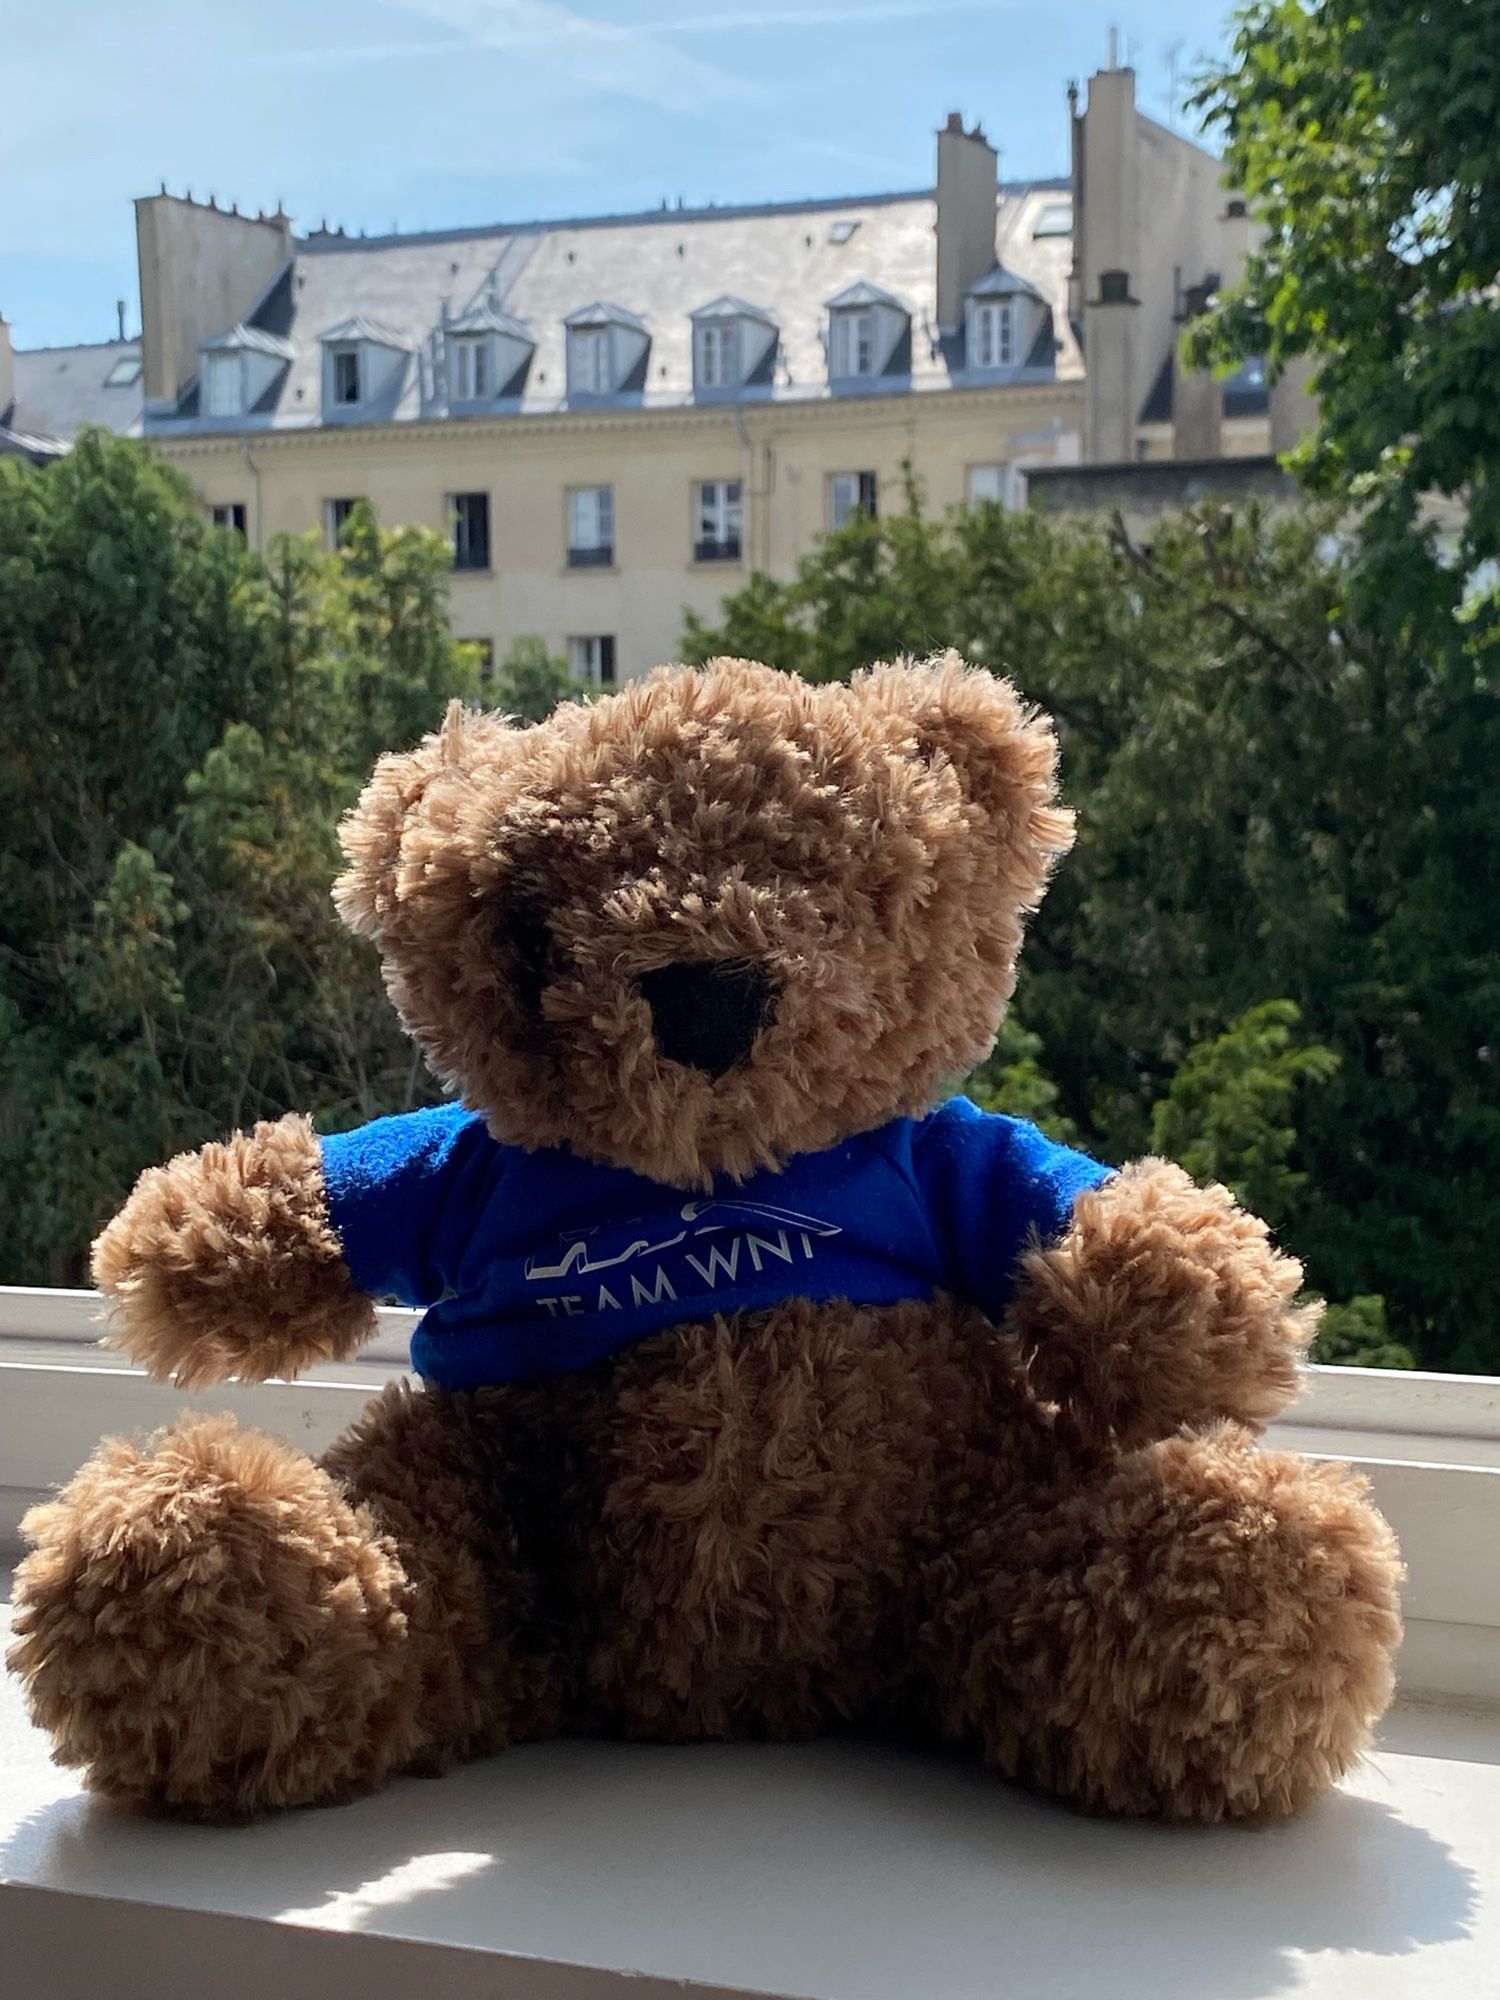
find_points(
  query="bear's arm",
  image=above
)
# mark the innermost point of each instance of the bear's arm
(225, 1263)
(1161, 1304)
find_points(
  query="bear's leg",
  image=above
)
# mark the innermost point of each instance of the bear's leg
(216, 1625)
(1200, 1630)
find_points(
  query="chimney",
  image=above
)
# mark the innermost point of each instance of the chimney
(967, 188)
(1237, 235)
(7, 368)
(202, 269)
(1197, 393)
(120, 316)
(1107, 275)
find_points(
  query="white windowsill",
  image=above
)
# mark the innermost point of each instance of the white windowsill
(832, 1871)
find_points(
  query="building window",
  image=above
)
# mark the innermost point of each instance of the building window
(229, 515)
(484, 651)
(717, 533)
(992, 323)
(470, 515)
(591, 527)
(852, 344)
(223, 385)
(589, 353)
(719, 355)
(345, 364)
(1056, 219)
(125, 373)
(989, 483)
(850, 493)
(592, 659)
(336, 519)
(471, 369)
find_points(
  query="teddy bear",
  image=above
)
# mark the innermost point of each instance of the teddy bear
(765, 1388)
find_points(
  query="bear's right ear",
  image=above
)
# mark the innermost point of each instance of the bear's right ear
(367, 893)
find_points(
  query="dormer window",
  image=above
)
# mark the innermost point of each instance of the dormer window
(734, 346)
(853, 344)
(364, 367)
(487, 354)
(223, 385)
(1004, 315)
(869, 335)
(344, 362)
(471, 369)
(236, 368)
(719, 355)
(606, 351)
(993, 324)
(589, 370)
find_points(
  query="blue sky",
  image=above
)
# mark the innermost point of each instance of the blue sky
(425, 113)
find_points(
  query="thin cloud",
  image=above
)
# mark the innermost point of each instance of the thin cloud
(543, 24)
(603, 56)
(822, 17)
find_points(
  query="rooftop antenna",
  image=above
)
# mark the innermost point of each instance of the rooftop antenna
(1112, 59)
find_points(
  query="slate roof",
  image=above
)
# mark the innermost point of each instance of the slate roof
(1157, 408)
(659, 267)
(360, 326)
(999, 283)
(864, 294)
(727, 306)
(485, 319)
(235, 338)
(24, 444)
(603, 312)
(1245, 393)
(58, 389)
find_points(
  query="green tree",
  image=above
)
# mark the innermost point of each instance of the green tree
(1366, 134)
(1282, 789)
(181, 728)
(1012, 1080)
(1353, 1335)
(1227, 1114)
(530, 681)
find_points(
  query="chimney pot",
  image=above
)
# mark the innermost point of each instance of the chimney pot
(955, 122)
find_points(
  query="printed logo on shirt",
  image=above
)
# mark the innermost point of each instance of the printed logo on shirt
(754, 1236)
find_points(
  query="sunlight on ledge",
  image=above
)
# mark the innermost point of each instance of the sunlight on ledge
(423, 1875)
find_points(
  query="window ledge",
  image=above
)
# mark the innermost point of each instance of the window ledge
(1429, 1444)
(830, 1871)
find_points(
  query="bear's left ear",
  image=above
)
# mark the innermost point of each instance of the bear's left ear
(1003, 751)
(371, 832)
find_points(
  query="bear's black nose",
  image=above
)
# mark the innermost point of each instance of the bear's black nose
(707, 1016)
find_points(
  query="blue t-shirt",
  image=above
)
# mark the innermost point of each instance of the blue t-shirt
(538, 1263)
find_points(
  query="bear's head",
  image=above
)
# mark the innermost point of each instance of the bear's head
(717, 919)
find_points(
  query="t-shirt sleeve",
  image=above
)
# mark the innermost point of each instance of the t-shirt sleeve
(992, 1185)
(391, 1189)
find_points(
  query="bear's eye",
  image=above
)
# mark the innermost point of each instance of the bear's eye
(527, 937)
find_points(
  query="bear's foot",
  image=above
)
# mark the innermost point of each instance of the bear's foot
(1201, 1630)
(207, 1625)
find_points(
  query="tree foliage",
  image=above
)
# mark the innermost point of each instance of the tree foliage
(530, 681)
(1285, 796)
(180, 730)
(1366, 134)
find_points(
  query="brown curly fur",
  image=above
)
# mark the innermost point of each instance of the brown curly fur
(223, 1263)
(1054, 1542)
(1163, 1305)
(762, 1526)
(874, 847)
